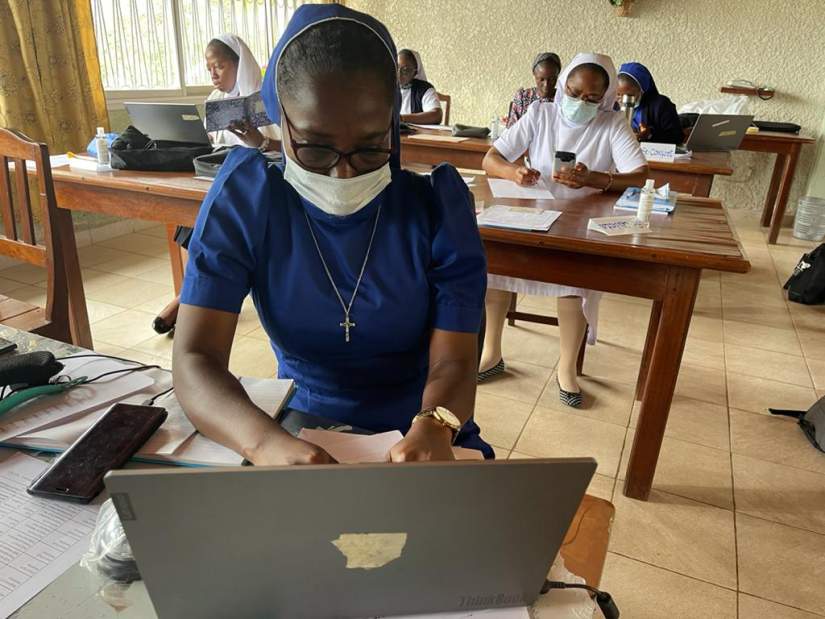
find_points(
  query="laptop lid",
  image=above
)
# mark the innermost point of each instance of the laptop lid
(175, 122)
(718, 132)
(347, 540)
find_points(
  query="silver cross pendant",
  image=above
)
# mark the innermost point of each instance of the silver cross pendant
(346, 325)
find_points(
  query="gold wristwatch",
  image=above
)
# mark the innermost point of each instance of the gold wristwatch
(443, 416)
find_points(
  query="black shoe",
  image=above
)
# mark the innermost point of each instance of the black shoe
(497, 369)
(161, 326)
(573, 399)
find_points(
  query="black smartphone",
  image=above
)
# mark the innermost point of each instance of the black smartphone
(6, 346)
(77, 474)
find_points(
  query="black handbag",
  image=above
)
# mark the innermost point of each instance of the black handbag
(766, 125)
(133, 150)
(807, 282)
(811, 421)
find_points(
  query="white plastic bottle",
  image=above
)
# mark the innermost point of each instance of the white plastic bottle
(102, 147)
(646, 199)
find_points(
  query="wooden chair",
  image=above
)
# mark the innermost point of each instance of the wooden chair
(64, 318)
(513, 314)
(445, 104)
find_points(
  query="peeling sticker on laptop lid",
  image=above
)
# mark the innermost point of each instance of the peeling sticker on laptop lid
(370, 550)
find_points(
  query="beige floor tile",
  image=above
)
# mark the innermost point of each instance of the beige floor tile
(157, 345)
(767, 364)
(604, 400)
(532, 343)
(125, 329)
(756, 313)
(501, 419)
(130, 265)
(248, 319)
(758, 394)
(689, 470)
(143, 357)
(159, 232)
(813, 341)
(161, 274)
(98, 311)
(753, 293)
(138, 244)
(643, 591)
(694, 421)
(259, 334)
(7, 284)
(110, 349)
(129, 292)
(29, 294)
(93, 255)
(780, 493)
(253, 358)
(677, 534)
(700, 383)
(154, 306)
(808, 316)
(774, 439)
(610, 362)
(704, 353)
(521, 381)
(25, 274)
(538, 304)
(705, 328)
(551, 434)
(761, 336)
(756, 608)
(781, 561)
(817, 370)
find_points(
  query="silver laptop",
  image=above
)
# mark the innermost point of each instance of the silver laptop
(718, 132)
(347, 540)
(176, 122)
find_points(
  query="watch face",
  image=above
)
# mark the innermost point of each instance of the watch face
(448, 417)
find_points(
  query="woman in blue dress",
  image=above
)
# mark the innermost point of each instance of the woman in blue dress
(368, 279)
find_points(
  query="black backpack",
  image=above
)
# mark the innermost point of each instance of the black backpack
(133, 150)
(807, 282)
(811, 421)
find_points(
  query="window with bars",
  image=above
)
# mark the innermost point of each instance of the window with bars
(156, 46)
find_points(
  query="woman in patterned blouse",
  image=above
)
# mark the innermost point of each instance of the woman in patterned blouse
(546, 69)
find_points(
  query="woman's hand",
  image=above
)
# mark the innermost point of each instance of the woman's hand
(643, 133)
(426, 440)
(525, 176)
(576, 178)
(283, 448)
(247, 133)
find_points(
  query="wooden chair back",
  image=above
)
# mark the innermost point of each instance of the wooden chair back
(445, 104)
(56, 251)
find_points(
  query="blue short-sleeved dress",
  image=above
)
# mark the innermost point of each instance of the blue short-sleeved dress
(426, 270)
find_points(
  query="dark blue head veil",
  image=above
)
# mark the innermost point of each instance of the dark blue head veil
(306, 16)
(643, 78)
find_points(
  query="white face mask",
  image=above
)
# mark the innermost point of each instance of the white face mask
(336, 196)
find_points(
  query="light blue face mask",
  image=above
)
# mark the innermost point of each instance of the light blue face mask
(577, 111)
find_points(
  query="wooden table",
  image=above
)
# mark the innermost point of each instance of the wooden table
(664, 266)
(787, 147)
(694, 176)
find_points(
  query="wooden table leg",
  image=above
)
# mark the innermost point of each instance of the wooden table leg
(652, 329)
(784, 190)
(671, 334)
(67, 260)
(175, 258)
(513, 306)
(773, 189)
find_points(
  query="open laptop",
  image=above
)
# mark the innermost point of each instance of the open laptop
(176, 122)
(347, 540)
(718, 132)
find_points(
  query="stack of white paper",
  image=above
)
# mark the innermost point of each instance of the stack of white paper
(502, 188)
(518, 218)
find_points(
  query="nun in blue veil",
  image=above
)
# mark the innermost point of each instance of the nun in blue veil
(655, 118)
(369, 280)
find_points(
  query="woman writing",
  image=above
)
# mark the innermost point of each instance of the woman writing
(369, 280)
(419, 101)
(655, 118)
(234, 73)
(580, 120)
(546, 69)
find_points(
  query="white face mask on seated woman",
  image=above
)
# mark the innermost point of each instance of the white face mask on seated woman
(336, 196)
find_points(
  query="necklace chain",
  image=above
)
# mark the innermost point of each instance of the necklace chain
(347, 324)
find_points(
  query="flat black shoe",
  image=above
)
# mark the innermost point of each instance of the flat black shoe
(497, 369)
(161, 326)
(573, 399)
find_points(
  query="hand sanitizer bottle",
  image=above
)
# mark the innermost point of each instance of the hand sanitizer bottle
(646, 199)
(102, 147)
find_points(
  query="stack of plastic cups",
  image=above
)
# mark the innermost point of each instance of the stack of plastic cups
(809, 223)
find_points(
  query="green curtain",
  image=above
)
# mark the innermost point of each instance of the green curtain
(50, 85)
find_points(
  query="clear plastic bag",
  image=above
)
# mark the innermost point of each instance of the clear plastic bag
(732, 104)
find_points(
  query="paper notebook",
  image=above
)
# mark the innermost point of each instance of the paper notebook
(618, 226)
(502, 188)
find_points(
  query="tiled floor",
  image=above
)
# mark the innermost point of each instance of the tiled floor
(735, 526)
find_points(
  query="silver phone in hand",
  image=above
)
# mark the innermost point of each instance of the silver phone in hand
(563, 161)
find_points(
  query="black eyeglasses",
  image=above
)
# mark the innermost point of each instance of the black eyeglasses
(322, 158)
(407, 70)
